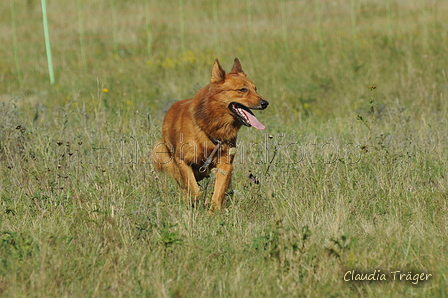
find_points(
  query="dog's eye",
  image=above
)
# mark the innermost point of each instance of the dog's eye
(243, 89)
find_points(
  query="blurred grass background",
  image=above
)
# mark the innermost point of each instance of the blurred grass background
(352, 166)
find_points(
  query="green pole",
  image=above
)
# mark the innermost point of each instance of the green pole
(47, 41)
(389, 22)
(16, 46)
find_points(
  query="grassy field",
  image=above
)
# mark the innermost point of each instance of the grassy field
(352, 166)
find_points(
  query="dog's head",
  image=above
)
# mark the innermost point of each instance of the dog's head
(238, 93)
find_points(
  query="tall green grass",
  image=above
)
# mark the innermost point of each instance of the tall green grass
(352, 167)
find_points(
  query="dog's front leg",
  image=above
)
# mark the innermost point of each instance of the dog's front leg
(190, 187)
(223, 177)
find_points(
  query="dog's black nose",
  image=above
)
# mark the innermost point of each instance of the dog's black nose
(264, 104)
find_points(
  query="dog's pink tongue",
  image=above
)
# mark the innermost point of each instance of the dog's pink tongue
(253, 120)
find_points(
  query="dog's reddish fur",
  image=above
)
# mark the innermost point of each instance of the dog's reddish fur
(193, 127)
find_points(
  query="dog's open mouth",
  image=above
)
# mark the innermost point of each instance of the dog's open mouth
(245, 115)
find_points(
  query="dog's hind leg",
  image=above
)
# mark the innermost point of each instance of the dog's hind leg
(162, 157)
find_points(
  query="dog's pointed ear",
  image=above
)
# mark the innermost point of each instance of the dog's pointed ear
(218, 74)
(237, 69)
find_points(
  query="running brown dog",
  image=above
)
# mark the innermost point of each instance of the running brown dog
(199, 134)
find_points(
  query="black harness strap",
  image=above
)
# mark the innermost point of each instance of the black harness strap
(210, 157)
